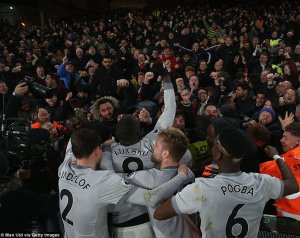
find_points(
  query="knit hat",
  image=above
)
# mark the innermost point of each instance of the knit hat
(269, 110)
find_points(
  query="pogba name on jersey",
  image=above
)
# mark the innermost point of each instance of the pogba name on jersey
(74, 178)
(236, 188)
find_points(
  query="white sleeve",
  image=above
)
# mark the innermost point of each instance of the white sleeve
(115, 188)
(155, 196)
(106, 160)
(69, 153)
(189, 200)
(167, 117)
(274, 186)
(143, 178)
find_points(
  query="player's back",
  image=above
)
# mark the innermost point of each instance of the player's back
(84, 198)
(177, 226)
(133, 157)
(232, 204)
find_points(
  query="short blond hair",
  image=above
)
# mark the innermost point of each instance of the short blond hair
(175, 141)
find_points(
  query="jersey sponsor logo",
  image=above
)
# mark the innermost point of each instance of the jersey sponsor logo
(229, 188)
(74, 178)
(130, 151)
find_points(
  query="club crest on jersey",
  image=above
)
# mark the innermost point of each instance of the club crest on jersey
(125, 183)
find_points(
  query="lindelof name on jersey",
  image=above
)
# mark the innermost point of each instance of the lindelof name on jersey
(236, 188)
(74, 178)
(130, 151)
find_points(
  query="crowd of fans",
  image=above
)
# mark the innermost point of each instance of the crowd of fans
(230, 65)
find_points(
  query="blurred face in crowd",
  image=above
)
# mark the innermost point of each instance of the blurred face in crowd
(123, 43)
(255, 41)
(287, 70)
(163, 43)
(70, 68)
(211, 111)
(263, 58)
(92, 51)
(213, 41)
(228, 41)
(154, 54)
(28, 56)
(171, 35)
(194, 82)
(240, 93)
(202, 95)
(141, 58)
(196, 46)
(3, 88)
(40, 72)
(189, 73)
(218, 65)
(260, 99)
(49, 81)
(106, 111)
(290, 96)
(297, 49)
(265, 118)
(43, 115)
(141, 78)
(106, 62)
(147, 42)
(186, 58)
(91, 71)
(51, 101)
(289, 141)
(79, 53)
(203, 66)
(179, 122)
(286, 85)
(2, 67)
(263, 76)
(167, 53)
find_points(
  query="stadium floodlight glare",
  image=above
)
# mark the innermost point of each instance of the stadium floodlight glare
(11, 8)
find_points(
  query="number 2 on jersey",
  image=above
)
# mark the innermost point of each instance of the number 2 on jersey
(231, 221)
(66, 192)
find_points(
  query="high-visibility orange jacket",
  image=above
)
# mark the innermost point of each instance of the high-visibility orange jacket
(288, 206)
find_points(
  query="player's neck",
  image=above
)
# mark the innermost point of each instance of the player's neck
(168, 163)
(229, 168)
(86, 163)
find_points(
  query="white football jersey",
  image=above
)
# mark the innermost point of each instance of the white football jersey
(84, 197)
(139, 156)
(176, 227)
(230, 205)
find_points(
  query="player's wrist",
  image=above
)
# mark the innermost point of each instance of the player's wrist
(276, 157)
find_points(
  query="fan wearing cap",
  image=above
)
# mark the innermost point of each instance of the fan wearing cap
(232, 196)
(266, 115)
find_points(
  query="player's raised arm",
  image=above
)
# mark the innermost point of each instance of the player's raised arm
(167, 117)
(290, 183)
